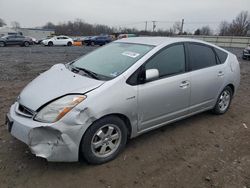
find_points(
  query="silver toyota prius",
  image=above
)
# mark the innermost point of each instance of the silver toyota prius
(90, 107)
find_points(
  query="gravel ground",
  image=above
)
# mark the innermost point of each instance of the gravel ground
(201, 151)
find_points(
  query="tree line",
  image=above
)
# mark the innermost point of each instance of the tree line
(239, 26)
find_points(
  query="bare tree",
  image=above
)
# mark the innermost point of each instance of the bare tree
(206, 30)
(2, 23)
(49, 25)
(177, 27)
(15, 25)
(224, 28)
(240, 24)
(197, 32)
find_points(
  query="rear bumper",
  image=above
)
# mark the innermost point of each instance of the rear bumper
(54, 142)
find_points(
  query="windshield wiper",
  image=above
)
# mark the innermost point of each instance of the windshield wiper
(88, 72)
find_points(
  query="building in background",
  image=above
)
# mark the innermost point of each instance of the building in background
(37, 33)
(31, 32)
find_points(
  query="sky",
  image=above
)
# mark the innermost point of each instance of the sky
(123, 13)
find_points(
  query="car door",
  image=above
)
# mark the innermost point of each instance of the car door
(58, 41)
(98, 40)
(64, 40)
(102, 41)
(19, 39)
(11, 40)
(166, 98)
(206, 76)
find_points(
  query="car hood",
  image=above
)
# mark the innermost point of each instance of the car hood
(54, 83)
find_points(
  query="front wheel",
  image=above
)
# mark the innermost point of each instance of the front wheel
(26, 44)
(224, 101)
(50, 43)
(104, 140)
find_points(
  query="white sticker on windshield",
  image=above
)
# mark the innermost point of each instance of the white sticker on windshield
(114, 74)
(130, 54)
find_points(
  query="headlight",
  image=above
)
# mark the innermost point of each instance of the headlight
(55, 110)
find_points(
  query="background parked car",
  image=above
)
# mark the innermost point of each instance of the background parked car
(34, 40)
(58, 41)
(126, 36)
(15, 40)
(246, 53)
(97, 40)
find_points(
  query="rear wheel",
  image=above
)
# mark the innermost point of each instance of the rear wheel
(224, 101)
(69, 44)
(2, 44)
(104, 140)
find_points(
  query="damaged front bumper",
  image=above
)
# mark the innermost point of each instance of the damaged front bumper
(55, 142)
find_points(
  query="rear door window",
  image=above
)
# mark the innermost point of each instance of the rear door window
(201, 56)
(20, 37)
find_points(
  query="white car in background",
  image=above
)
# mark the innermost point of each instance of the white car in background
(58, 41)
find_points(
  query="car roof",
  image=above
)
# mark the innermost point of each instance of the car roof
(157, 41)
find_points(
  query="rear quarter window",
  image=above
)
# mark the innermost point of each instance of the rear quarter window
(221, 55)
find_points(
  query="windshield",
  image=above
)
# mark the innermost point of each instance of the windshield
(112, 60)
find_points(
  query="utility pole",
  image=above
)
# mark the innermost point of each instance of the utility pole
(146, 26)
(154, 25)
(182, 25)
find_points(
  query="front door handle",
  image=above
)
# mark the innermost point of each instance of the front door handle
(184, 84)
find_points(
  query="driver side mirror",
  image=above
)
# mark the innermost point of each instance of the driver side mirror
(152, 74)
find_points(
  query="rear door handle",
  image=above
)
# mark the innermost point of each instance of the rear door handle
(184, 84)
(220, 73)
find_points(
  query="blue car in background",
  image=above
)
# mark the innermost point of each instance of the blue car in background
(97, 40)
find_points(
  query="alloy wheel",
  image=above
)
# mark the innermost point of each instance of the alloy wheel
(106, 140)
(224, 100)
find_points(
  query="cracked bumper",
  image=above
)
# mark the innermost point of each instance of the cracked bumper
(54, 142)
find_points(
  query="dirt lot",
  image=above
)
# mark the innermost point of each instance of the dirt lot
(202, 151)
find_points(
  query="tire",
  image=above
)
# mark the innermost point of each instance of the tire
(50, 43)
(104, 140)
(223, 101)
(69, 44)
(26, 44)
(244, 57)
(2, 44)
